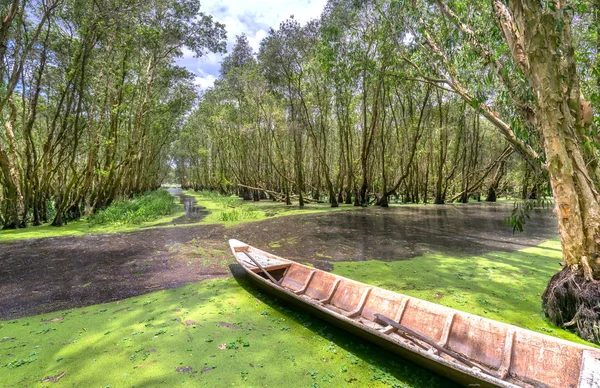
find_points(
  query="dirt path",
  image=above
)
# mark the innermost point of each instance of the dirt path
(64, 272)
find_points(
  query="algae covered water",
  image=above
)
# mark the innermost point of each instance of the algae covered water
(217, 333)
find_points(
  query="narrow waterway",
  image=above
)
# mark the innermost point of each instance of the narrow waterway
(193, 212)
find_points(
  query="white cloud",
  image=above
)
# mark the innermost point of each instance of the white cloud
(210, 59)
(205, 82)
(187, 53)
(252, 17)
(272, 12)
(255, 39)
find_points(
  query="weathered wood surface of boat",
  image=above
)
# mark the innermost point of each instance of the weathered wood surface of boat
(471, 350)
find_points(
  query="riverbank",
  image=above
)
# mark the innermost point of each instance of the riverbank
(196, 208)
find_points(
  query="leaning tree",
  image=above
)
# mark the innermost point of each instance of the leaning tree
(529, 49)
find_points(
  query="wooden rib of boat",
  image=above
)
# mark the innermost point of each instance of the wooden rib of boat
(471, 350)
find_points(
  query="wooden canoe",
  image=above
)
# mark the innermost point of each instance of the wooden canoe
(471, 350)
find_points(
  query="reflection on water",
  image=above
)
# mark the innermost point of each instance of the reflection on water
(399, 233)
(411, 231)
(193, 213)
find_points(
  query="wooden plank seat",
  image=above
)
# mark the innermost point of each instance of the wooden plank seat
(297, 278)
(271, 268)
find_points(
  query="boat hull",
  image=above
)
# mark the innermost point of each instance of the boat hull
(437, 368)
(470, 350)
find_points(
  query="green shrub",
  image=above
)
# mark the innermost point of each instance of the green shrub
(249, 212)
(233, 209)
(230, 215)
(147, 207)
(242, 212)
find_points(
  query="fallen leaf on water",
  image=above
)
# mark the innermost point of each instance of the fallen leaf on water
(229, 325)
(54, 379)
(57, 319)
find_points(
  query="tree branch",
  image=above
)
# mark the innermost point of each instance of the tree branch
(524, 149)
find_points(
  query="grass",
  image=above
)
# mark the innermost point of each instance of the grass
(77, 228)
(83, 226)
(213, 333)
(223, 210)
(232, 210)
(229, 208)
(504, 286)
(137, 210)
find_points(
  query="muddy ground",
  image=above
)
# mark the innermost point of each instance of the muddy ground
(44, 275)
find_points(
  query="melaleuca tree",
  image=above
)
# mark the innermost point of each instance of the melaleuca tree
(281, 59)
(98, 100)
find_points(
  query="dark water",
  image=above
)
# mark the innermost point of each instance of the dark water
(193, 212)
(412, 231)
(400, 233)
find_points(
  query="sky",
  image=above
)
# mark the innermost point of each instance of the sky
(252, 17)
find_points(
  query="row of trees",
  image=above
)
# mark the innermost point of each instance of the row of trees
(91, 100)
(322, 112)
(422, 99)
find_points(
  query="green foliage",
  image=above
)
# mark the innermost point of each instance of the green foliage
(118, 58)
(521, 210)
(518, 217)
(147, 207)
(284, 118)
(19, 362)
(239, 214)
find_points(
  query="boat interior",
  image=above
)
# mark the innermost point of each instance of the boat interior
(514, 355)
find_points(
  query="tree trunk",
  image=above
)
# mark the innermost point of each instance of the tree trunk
(348, 195)
(12, 175)
(572, 296)
(491, 194)
(493, 187)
